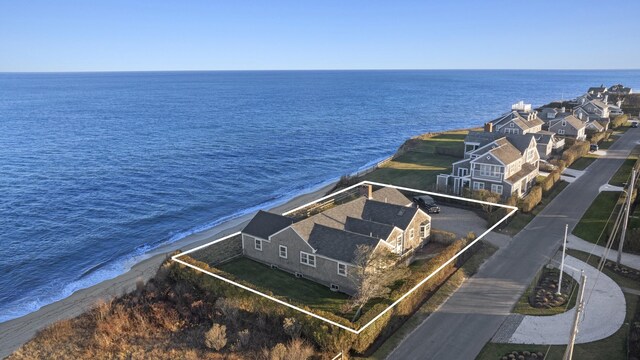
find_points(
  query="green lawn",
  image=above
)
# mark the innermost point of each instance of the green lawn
(624, 172)
(419, 164)
(520, 219)
(594, 260)
(614, 347)
(523, 307)
(283, 284)
(595, 219)
(583, 162)
(605, 144)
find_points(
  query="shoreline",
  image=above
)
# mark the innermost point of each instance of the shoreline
(15, 332)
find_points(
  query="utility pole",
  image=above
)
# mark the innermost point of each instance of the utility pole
(626, 215)
(564, 247)
(568, 354)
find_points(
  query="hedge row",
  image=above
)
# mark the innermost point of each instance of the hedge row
(597, 137)
(575, 152)
(619, 120)
(550, 180)
(529, 202)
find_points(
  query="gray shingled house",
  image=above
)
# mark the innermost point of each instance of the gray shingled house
(505, 165)
(323, 247)
(568, 126)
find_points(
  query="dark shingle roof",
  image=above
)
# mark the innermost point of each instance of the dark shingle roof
(338, 244)
(481, 137)
(265, 224)
(520, 142)
(368, 228)
(506, 152)
(389, 214)
(390, 195)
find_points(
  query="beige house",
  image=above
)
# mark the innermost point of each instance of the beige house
(323, 247)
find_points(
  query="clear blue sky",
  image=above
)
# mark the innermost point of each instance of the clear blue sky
(112, 35)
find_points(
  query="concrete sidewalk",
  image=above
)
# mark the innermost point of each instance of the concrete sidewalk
(576, 243)
(604, 312)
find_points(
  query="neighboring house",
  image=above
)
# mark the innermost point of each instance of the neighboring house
(597, 91)
(592, 127)
(547, 142)
(568, 126)
(619, 89)
(507, 165)
(323, 247)
(520, 120)
(594, 107)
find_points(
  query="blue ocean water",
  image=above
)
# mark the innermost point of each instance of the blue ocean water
(97, 169)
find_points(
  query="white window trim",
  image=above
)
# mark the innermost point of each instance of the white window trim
(478, 185)
(345, 269)
(257, 244)
(424, 229)
(494, 189)
(411, 234)
(399, 244)
(561, 132)
(308, 257)
(286, 251)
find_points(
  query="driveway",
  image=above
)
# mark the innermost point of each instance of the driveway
(461, 221)
(473, 314)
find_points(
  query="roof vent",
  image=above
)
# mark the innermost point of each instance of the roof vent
(401, 212)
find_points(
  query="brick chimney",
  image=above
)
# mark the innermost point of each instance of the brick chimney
(488, 127)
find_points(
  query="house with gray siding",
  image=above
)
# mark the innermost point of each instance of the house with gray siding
(568, 126)
(323, 247)
(507, 165)
(520, 120)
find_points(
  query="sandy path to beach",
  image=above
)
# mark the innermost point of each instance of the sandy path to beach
(14, 333)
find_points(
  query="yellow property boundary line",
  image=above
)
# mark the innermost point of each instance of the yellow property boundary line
(306, 312)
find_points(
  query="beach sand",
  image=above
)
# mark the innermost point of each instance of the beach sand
(14, 333)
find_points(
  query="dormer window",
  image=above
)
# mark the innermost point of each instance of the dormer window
(564, 123)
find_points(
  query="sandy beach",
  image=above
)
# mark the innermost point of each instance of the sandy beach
(14, 333)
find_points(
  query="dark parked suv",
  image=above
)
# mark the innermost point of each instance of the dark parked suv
(426, 203)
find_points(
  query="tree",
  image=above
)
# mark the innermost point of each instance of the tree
(375, 271)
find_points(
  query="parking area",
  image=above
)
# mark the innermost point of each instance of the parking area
(461, 221)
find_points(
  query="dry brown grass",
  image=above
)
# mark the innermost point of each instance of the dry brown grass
(161, 320)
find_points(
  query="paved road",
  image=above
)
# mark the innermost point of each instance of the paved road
(464, 324)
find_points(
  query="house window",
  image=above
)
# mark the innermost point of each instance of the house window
(462, 172)
(561, 132)
(335, 287)
(411, 234)
(424, 230)
(490, 170)
(564, 123)
(307, 259)
(282, 251)
(529, 154)
(399, 244)
(258, 244)
(496, 189)
(511, 125)
(342, 269)
(478, 185)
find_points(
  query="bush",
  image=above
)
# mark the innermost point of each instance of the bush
(576, 151)
(559, 163)
(531, 200)
(292, 327)
(551, 179)
(442, 237)
(216, 337)
(619, 120)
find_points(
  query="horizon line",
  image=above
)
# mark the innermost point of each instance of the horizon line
(309, 70)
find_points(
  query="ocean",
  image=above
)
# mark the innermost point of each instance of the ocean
(98, 169)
